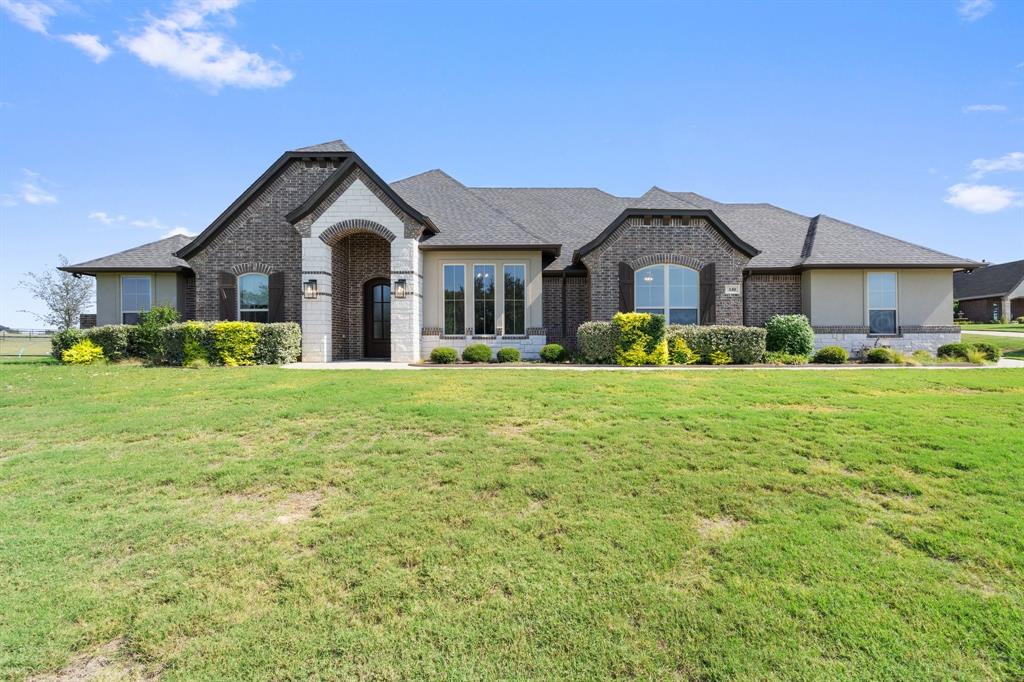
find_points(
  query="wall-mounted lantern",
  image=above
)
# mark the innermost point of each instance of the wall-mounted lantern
(309, 289)
(400, 288)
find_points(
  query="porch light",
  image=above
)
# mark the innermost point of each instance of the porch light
(400, 289)
(309, 289)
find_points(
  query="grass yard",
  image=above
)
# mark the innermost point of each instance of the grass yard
(1011, 347)
(260, 523)
(993, 327)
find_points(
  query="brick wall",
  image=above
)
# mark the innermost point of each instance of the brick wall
(577, 307)
(354, 260)
(86, 320)
(259, 234)
(980, 309)
(767, 295)
(692, 242)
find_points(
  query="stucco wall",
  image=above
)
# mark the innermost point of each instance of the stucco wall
(837, 297)
(164, 287)
(433, 262)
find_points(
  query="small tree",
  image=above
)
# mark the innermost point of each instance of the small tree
(66, 296)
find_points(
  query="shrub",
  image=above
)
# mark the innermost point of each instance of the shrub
(147, 341)
(63, 340)
(976, 357)
(954, 350)
(443, 355)
(235, 342)
(901, 358)
(477, 352)
(85, 352)
(789, 334)
(719, 357)
(114, 339)
(746, 345)
(679, 353)
(992, 352)
(923, 357)
(880, 356)
(777, 358)
(278, 343)
(831, 355)
(597, 341)
(508, 355)
(186, 342)
(642, 339)
(1020, 320)
(552, 352)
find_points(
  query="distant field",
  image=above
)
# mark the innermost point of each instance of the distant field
(22, 344)
(1011, 347)
(1018, 328)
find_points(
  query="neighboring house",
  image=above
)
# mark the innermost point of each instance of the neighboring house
(990, 293)
(372, 269)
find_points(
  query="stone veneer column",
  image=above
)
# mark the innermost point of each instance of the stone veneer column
(316, 313)
(406, 313)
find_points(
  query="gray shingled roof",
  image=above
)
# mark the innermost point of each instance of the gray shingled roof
(154, 256)
(992, 280)
(332, 146)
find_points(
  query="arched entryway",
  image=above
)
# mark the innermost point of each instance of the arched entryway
(357, 260)
(377, 318)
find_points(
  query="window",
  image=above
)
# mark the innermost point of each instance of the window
(136, 298)
(669, 290)
(881, 302)
(515, 299)
(483, 299)
(455, 299)
(254, 298)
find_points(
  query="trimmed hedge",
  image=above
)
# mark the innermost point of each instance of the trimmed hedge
(992, 352)
(880, 356)
(114, 339)
(63, 341)
(552, 352)
(642, 339)
(443, 355)
(509, 355)
(745, 345)
(777, 358)
(789, 334)
(954, 350)
(679, 353)
(279, 343)
(831, 355)
(597, 342)
(477, 352)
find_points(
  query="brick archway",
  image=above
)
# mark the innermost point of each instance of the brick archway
(357, 255)
(345, 228)
(666, 258)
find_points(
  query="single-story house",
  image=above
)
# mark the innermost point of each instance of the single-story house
(392, 270)
(990, 293)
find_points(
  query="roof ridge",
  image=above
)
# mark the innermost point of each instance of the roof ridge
(812, 232)
(501, 212)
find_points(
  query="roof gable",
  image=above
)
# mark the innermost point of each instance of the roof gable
(992, 280)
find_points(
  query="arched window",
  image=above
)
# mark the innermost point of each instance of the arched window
(669, 290)
(254, 297)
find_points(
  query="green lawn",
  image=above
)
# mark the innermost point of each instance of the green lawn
(993, 327)
(261, 523)
(1012, 347)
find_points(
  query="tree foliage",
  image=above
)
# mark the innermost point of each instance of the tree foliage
(64, 295)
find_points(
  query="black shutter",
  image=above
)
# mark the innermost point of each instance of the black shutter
(707, 294)
(625, 288)
(228, 296)
(276, 312)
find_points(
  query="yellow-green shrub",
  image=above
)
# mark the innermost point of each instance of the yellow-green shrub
(680, 353)
(235, 342)
(84, 352)
(641, 339)
(719, 357)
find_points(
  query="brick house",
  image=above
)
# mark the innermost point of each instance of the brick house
(991, 293)
(392, 270)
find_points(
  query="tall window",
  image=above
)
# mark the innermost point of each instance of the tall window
(455, 299)
(254, 298)
(669, 290)
(515, 299)
(136, 298)
(882, 302)
(483, 299)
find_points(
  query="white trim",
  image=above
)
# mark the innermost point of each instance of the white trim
(666, 308)
(476, 332)
(465, 298)
(120, 298)
(867, 301)
(526, 298)
(238, 294)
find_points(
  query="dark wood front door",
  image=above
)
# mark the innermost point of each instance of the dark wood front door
(377, 319)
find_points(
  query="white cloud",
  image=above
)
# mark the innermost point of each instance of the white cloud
(985, 107)
(1014, 161)
(31, 190)
(972, 10)
(105, 217)
(89, 44)
(184, 44)
(154, 224)
(177, 230)
(32, 14)
(981, 198)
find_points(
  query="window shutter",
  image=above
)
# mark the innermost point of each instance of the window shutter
(228, 296)
(625, 288)
(707, 294)
(276, 311)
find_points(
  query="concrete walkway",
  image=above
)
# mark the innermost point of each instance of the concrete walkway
(1005, 335)
(382, 365)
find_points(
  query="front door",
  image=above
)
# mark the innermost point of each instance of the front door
(377, 319)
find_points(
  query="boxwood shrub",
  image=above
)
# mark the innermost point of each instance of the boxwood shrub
(477, 352)
(116, 340)
(777, 358)
(63, 340)
(597, 342)
(954, 350)
(831, 355)
(880, 356)
(509, 354)
(552, 352)
(992, 352)
(745, 345)
(642, 339)
(443, 355)
(278, 343)
(789, 334)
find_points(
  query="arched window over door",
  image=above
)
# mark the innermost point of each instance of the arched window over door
(669, 290)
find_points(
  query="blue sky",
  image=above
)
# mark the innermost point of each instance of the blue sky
(122, 122)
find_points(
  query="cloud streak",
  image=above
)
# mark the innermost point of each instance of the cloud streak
(972, 10)
(984, 107)
(30, 191)
(89, 44)
(33, 15)
(1014, 161)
